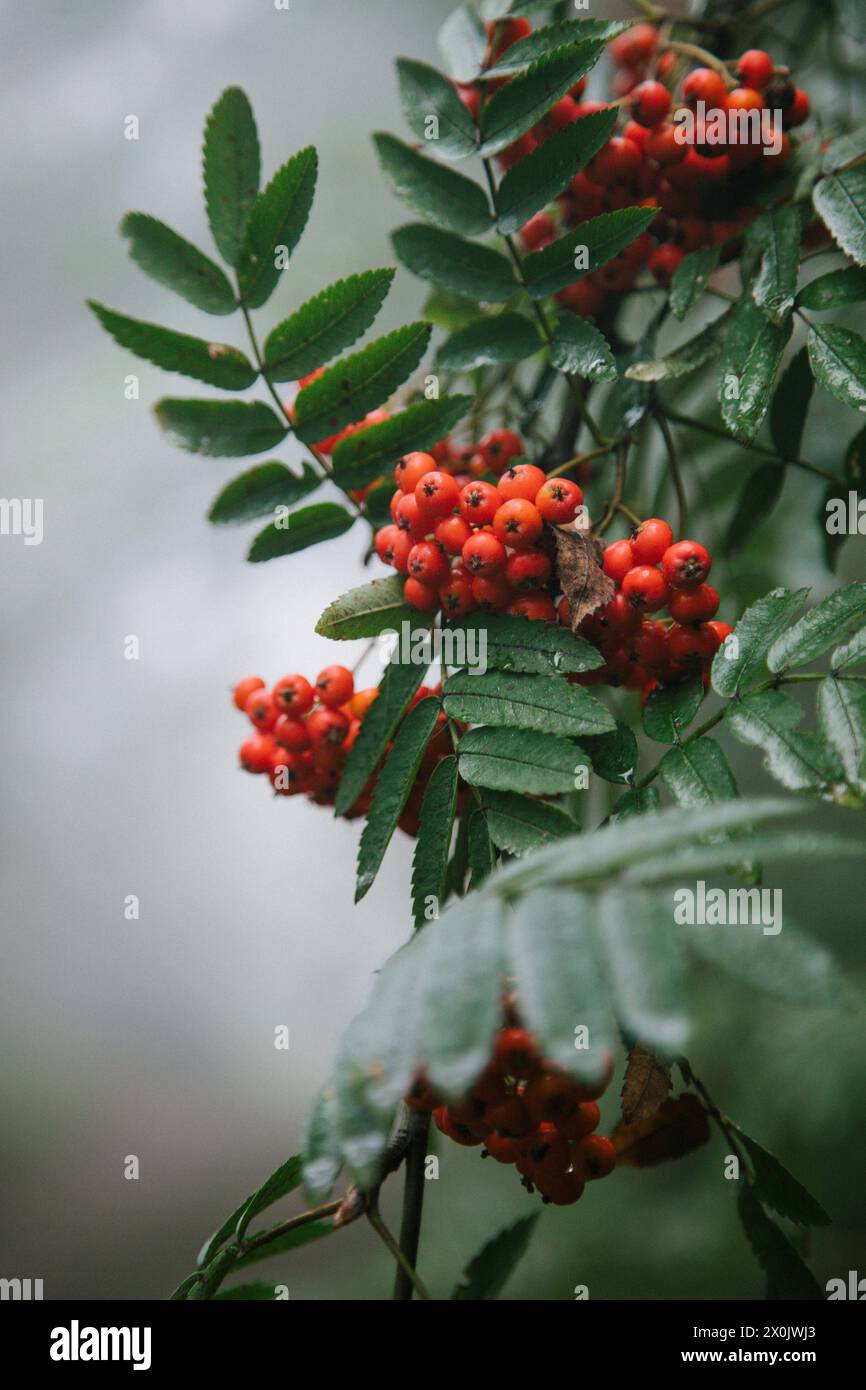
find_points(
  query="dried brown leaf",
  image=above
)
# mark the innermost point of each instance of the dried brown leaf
(581, 577)
(646, 1086)
(678, 1127)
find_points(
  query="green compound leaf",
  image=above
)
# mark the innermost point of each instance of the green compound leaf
(637, 801)
(323, 521)
(645, 966)
(326, 325)
(777, 1188)
(838, 359)
(580, 349)
(322, 1161)
(280, 1183)
(842, 717)
(276, 222)
(490, 341)
(430, 861)
(790, 966)
(742, 660)
(392, 790)
(368, 452)
(852, 653)
(216, 363)
(691, 277)
(698, 773)
(670, 709)
(840, 202)
(396, 688)
(177, 264)
(463, 44)
(545, 703)
(584, 249)
(220, 429)
(776, 236)
(480, 849)
(451, 262)
(434, 111)
(525, 99)
(519, 824)
(487, 1274)
(515, 760)
(367, 611)
(787, 1275)
(535, 181)
(818, 629)
(768, 721)
(838, 287)
(260, 491)
(438, 193)
(231, 170)
(750, 358)
(682, 361)
(790, 405)
(614, 755)
(357, 384)
(513, 644)
(550, 39)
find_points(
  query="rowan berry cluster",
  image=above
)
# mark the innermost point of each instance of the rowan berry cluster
(525, 1111)
(652, 572)
(704, 178)
(304, 733)
(467, 528)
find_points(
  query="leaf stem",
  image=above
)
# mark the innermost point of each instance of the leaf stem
(404, 1265)
(761, 449)
(676, 474)
(413, 1204)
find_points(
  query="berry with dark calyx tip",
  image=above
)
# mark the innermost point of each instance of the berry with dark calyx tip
(692, 646)
(527, 570)
(334, 686)
(558, 500)
(754, 68)
(409, 518)
(452, 534)
(703, 84)
(411, 468)
(294, 695)
(722, 631)
(478, 503)
(663, 146)
(550, 1098)
(459, 1133)
(500, 1148)
(518, 524)
(437, 495)
(650, 103)
(244, 689)
(798, 111)
(516, 1054)
(291, 733)
(522, 481)
(328, 727)
(650, 541)
(618, 560)
(499, 447)
(617, 617)
(428, 563)
(695, 605)
(585, 1119)
(585, 297)
(616, 162)
(686, 564)
(594, 1157)
(483, 554)
(420, 596)
(510, 1117)
(635, 47)
(646, 589)
(650, 644)
(455, 596)
(393, 546)
(538, 232)
(262, 709)
(664, 261)
(743, 99)
(564, 1190)
(492, 593)
(420, 1095)
(537, 607)
(256, 753)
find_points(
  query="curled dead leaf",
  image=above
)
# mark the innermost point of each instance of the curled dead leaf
(581, 578)
(646, 1085)
(678, 1127)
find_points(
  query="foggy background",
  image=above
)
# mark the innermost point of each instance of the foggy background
(155, 1037)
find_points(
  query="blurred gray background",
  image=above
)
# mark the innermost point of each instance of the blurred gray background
(155, 1037)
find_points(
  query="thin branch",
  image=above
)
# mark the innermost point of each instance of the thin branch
(676, 475)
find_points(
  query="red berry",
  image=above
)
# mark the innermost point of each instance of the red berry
(664, 261)
(428, 563)
(256, 753)
(619, 558)
(455, 596)
(261, 709)
(646, 589)
(521, 481)
(722, 631)
(409, 516)
(650, 103)
(334, 686)
(550, 1098)
(686, 564)
(499, 447)
(595, 1156)
(420, 595)
(393, 546)
(616, 162)
(743, 99)
(478, 503)
(327, 726)
(244, 689)
(518, 524)
(694, 605)
(483, 554)
(503, 1150)
(411, 469)
(527, 570)
(539, 231)
(565, 1189)
(650, 541)
(663, 146)
(292, 734)
(561, 114)
(650, 644)
(452, 534)
(510, 1116)
(558, 500)
(635, 46)
(437, 495)
(538, 607)
(516, 1054)
(585, 1119)
(755, 68)
(618, 617)
(692, 646)
(294, 695)
(799, 109)
(703, 84)
(492, 593)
